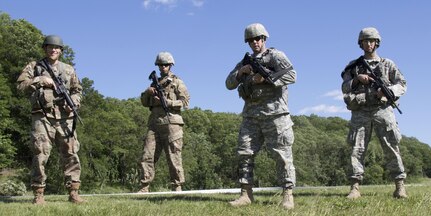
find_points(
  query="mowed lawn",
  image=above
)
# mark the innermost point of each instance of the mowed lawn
(375, 200)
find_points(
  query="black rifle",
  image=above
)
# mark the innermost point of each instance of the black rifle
(159, 91)
(61, 91)
(379, 84)
(257, 67)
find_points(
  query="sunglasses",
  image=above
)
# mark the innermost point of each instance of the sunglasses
(258, 38)
(164, 65)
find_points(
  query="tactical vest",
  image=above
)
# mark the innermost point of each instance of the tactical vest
(158, 115)
(365, 96)
(46, 98)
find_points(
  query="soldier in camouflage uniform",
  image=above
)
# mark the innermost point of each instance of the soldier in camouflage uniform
(165, 131)
(265, 114)
(370, 109)
(52, 118)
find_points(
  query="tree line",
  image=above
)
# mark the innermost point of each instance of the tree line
(112, 137)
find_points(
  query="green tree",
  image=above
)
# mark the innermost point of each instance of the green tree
(20, 43)
(201, 163)
(7, 150)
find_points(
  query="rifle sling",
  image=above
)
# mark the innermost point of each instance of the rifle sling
(277, 75)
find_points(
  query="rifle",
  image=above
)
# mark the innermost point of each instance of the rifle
(159, 90)
(61, 90)
(248, 59)
(378, 83)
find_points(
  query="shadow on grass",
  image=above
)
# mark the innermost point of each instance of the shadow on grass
(14, 200)
(230, 197)
(196, 198)
(305, 194)
(157, 199)
(29, 199)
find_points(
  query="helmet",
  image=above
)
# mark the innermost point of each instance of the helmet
(164, 58)
(53, 40)
(369, 33)
(255, 30)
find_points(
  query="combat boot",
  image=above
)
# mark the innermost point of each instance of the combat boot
(287, 202)
(176, 188)
(73, 194)
(400, 190)
(245, 198)
(38, 195)
(145, 188)
(354, 190)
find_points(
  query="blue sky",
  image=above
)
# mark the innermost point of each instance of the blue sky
(116, 43)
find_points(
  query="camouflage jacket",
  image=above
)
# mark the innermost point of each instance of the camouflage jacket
(264, 98)
(177, 98)
(45, 98)
(364, 97)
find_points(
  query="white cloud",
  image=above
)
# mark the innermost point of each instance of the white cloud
(198, 3)
(323, 108)
(147, 4)
(156, 3)
(334, 94)
(166, 2)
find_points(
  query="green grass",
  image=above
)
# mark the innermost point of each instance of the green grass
(375, 200)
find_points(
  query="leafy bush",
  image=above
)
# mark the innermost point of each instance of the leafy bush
(12, 188)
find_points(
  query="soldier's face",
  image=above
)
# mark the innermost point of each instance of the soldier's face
(53, 52)
(257, 44)
(164, 68)
(369, 45)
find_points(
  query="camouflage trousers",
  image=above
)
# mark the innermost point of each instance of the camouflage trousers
(386, 128)
(277, 133)
(46, 132)
(160, 138)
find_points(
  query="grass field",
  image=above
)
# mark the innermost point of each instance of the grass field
(375, 200)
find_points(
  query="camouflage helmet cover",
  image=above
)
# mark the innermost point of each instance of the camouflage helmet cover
(53, 40)
(164, 58)
(369, 33)
(255, 30)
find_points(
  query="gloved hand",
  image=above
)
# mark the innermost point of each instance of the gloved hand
(151, 90)
(246, 69)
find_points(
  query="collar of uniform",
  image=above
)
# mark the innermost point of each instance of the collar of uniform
(166, 79)
(373, 60)
(162, 75)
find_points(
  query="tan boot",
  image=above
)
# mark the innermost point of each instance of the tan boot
(176, 188)
(38, 195)
(145, 188)
(245, 198)
(73, 194)
(287, 202)
(400, 190)
(354, 190)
